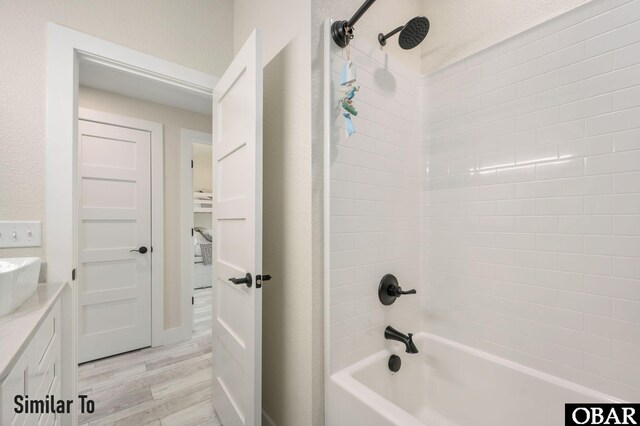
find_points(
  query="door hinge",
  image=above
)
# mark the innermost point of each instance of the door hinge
(73, 274)
(260, 279)
(192, 164)
(192, 232)
(193, 300)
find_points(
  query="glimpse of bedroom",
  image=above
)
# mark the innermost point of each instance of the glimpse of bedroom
(144, 167)
(202, 274)
(202, 210)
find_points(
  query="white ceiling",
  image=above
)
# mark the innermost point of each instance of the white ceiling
(112, 79)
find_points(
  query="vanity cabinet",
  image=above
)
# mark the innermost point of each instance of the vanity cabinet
(34, 369)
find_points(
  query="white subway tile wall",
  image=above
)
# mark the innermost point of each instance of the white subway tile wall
(375, 204)
(531, 198)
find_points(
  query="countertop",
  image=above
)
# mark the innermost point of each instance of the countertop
(18, 327)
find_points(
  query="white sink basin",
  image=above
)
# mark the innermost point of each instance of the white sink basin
(18, 281)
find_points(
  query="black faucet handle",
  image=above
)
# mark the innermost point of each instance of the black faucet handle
(389, 290)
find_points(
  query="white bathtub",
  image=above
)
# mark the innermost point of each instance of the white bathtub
(449, 384)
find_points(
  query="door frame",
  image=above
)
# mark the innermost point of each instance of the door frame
(65, 49)
(187, 138)
(157, 208)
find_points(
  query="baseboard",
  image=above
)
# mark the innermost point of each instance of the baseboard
(266, 420)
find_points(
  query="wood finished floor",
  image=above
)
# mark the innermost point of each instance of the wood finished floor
(164, 386)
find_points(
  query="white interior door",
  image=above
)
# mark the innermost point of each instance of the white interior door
(237, 211)
(114, 218)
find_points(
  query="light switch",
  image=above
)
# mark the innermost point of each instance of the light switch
(20, 234)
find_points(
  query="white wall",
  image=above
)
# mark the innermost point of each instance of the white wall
(173, 120)
(460, 28)
(531, 203)
(202, 163)
(375, 205)
(194, 33)
(292, 301)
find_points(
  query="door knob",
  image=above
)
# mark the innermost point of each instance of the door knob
(260, 279)
(141, 250)
(245, 280)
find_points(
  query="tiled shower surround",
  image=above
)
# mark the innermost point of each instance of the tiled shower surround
(531, 202)
(375, 204)
(506, 189)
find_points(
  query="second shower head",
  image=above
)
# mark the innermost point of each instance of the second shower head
(411, 34)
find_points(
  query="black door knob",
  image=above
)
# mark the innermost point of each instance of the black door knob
(246, 280)
(260, 279)
(141, 250)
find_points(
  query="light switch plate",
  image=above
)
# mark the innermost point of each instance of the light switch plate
(20, 234)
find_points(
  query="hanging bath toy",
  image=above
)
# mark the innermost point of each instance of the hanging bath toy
(352, 92)
(348, 124)
(348, 74)
(348, 80)
(348, 106)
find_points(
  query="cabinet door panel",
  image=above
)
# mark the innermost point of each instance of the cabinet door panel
(16, 383)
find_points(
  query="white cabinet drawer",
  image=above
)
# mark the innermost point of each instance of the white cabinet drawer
(45, 350)
(46, 336)
(36, 373)
(49, 375)
(47, 419)
(51, 418)
(16, 383)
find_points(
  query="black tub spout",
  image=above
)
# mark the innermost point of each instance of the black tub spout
(391, 333)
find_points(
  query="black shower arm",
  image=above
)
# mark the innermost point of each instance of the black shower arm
(397, 30)
(356, 16)
(342, 31)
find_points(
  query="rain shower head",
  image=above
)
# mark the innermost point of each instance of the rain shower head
(411, 34)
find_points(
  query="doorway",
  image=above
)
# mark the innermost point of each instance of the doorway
(169, 380)
(196, 177)
(66, 49)
(238, 164)
(202, 214)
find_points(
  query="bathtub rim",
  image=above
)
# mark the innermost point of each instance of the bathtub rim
(397, 415)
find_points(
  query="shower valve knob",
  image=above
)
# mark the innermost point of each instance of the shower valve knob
(397, 291)
(389, 290)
